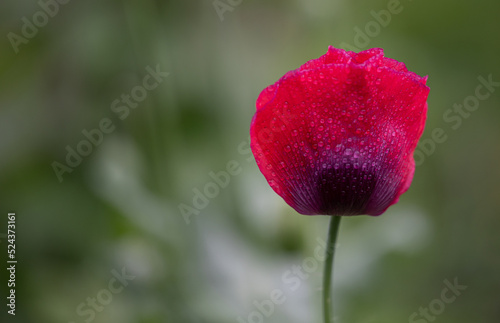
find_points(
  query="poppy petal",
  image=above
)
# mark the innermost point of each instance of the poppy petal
(337, 135)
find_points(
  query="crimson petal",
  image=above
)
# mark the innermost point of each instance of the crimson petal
(337, 135)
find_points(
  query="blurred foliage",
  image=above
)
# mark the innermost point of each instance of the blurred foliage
(119, 208)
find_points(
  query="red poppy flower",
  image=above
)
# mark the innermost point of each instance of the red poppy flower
(337, 135)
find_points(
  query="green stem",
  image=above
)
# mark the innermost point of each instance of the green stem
(328, 273)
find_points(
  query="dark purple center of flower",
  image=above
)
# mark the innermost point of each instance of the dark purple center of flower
(345, 190)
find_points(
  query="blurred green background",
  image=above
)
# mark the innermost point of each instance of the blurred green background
(119, 209)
